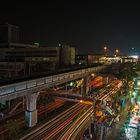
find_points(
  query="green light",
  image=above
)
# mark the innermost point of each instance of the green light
(36, 43)
(71, 83)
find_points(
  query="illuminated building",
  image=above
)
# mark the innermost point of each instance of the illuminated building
(87, 59)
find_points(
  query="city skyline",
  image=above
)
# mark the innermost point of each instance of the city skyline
(86, 26)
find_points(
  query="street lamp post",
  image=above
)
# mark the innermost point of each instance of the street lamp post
(105, 50)
(133, 51)
(116, 52)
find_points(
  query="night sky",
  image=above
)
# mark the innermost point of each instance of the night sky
(85, 25)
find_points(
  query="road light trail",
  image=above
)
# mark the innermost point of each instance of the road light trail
(41, 129)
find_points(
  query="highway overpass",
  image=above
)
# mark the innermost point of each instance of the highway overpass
(31, 88)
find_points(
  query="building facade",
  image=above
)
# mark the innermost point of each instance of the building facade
(24, 59)
(9, 34)
(67, 55)
(87, 59)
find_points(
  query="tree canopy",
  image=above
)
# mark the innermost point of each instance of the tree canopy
(128, 73)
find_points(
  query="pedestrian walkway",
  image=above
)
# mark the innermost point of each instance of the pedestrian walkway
(115, 131)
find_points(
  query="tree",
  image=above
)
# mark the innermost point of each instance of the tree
(127, 73)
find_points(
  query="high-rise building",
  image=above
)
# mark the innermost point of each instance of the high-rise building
(67, 55)
(9, 34)
(10, 37)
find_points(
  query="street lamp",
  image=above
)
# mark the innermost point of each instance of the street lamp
(133, 51)
(116, 51)
(105, 50)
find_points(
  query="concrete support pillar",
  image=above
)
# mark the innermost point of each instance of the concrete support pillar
(101, 132)
(106, 80)
(81, 90)
(84, 86)
(31, 112)
(105, 133)
(90, 132)
(9, 104)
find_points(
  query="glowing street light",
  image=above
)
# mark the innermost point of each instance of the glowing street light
(132, 48)
(93, 74)
(59, 44)
(105, 50)
(133, 51)
(116, 51)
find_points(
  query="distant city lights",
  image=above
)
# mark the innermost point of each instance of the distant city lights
(135, 56)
